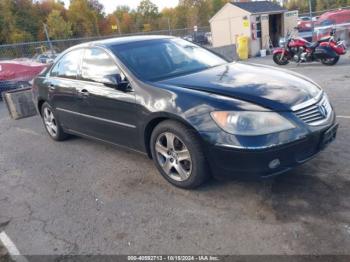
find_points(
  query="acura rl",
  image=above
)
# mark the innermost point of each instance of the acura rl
(191, 111)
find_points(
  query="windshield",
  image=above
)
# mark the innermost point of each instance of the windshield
(155, 60)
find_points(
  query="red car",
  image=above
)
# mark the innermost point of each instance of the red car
(339, 19)
(334, 18)
(18, 73)
(304, 24)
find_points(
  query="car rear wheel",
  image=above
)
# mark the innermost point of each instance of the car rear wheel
(178, 155)
(52, 124)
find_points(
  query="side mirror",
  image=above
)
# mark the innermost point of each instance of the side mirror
(124, 86)
(115, 81)
(110, 80)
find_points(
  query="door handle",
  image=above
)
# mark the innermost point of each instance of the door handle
(51, 87)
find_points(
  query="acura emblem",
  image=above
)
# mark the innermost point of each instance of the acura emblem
(323, 110)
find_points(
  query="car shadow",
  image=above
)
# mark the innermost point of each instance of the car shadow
(295, 196)
(303, 195)
(318, 189)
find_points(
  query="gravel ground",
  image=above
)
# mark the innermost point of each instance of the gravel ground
(83, 197)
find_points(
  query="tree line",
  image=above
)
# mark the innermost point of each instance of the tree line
(23, 20)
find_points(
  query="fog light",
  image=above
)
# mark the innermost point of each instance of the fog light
(274, 163)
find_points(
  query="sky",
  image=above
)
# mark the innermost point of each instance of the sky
(110, 5)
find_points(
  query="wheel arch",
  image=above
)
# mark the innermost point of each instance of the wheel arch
(156, 120)
(40, 103)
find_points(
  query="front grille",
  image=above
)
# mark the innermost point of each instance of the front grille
(317, 113)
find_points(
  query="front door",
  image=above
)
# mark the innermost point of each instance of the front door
(106, 112)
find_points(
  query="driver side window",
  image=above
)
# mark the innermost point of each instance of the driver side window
(98, 66)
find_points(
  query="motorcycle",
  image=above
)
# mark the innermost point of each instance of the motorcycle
(327, 50)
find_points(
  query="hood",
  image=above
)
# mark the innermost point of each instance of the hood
(266, 86)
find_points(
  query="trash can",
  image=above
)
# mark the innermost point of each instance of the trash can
(243, 47)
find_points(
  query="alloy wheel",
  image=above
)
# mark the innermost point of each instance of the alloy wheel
(50, 122)
(173, 156)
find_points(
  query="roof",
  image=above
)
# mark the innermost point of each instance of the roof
(120, 40)
(128, 39)
(259, 7)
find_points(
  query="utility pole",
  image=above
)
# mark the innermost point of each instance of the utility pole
(118, 25)
(310, 14)
(310, 9)
(48, 38)
(169, 27)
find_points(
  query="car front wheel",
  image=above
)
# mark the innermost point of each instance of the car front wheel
(51, 123)
(178, 155)
(279, 59)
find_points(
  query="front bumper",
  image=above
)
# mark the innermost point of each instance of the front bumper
(263, 163)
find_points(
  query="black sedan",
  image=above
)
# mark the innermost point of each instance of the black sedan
(192, 112)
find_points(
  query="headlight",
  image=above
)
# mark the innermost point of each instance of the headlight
(248, 123)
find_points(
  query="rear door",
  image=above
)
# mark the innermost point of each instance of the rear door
(62, 85)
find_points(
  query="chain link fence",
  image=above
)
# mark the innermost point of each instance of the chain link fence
(319, 13)
(41, 49)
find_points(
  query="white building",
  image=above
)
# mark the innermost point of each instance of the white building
(264, 22)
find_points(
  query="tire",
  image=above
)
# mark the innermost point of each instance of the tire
(193, 167)
(51, 123)
(278, 61)
(330, 62)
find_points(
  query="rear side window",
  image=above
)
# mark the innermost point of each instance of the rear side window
(68, 65)
(98, 65)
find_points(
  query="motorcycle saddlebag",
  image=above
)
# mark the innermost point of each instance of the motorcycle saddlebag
(324, 52)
